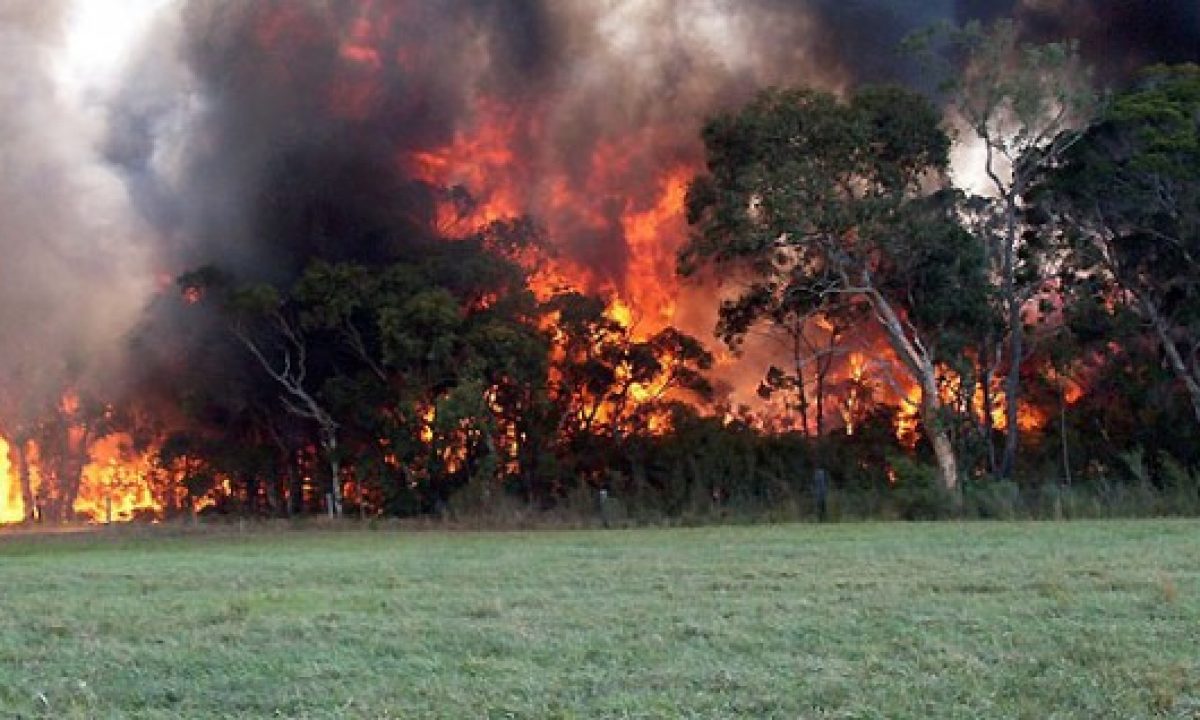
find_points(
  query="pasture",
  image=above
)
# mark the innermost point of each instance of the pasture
(1022, 620)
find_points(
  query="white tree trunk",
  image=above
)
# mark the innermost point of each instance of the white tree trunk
(943, 451)
(335, 468)
(918, 361)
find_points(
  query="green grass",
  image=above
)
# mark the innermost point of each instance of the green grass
(1087, 620)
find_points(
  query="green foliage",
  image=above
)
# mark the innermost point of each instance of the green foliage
(918, 493)
(1017, 97)
(825, 203)
(428, 370)
(255, 300)
(429, 367)
(796, 172)
(1023, 104)
(842, 208)
(1124, 203)
(995, 500)
(1134, 175)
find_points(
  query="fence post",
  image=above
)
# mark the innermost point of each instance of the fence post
(821, 492)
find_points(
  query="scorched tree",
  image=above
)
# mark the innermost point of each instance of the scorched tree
(846, 200)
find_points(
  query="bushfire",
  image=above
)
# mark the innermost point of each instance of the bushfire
(301, 128)
(115, 485)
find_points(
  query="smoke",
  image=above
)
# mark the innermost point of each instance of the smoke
(257, 134)
(73, 270)
(291, 137)
(289, 129)
(1119, 37)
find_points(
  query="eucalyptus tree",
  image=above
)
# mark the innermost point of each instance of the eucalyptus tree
(1125, 201)
(1025, 105)
(847, 201)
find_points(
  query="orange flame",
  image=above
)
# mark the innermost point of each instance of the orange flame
(114, 486)
(12, 507)
(115, 483)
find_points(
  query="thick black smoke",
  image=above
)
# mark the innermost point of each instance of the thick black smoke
(292, 145)
(301, 113)
(1116, 36)
(256, 134)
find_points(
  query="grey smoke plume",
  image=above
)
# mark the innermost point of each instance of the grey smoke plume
(256, 134)
(290, 147)
(1116, 37)
(73, 263)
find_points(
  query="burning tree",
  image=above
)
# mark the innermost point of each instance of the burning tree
(847, 200)
(814, 332)
(440, 368)
(1125, 200)
(1023, 103)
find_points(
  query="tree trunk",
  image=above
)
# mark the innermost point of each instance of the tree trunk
(1016, 350)
(939, 437)
(335, 480)
(988, 426)
(1012, 395)
(943, 450)
(274, 497)
(295, 480)
(362, 504)
(801, 393)
(329, 441)
(1062, 429)
(918, 360)
(824, 365)
(251, 482)
(69, 474)
(821, 374)
(1174, 357)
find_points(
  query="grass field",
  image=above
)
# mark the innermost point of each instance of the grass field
(1085, 620)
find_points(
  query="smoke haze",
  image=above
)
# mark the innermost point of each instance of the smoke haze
(256, 134)
(73, 273)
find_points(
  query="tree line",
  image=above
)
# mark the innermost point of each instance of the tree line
(432, 380)
(1078, 266)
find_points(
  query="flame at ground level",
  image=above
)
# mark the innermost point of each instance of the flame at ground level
(12, 507)
(116, 485)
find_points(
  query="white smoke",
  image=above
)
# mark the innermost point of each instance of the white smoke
(74, 270)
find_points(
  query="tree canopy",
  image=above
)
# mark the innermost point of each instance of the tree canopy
(831, 202)
(1125, 202)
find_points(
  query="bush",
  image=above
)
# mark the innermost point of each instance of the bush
(1181, 487)
(918, 493)
(994, 500)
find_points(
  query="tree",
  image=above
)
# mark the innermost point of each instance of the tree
(425, 362)
(846, 200)
(64, 439)
(1022, 102)
(1125, 202)
(811, 330)
(609, 387)
(22, 409)
(267, 326)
